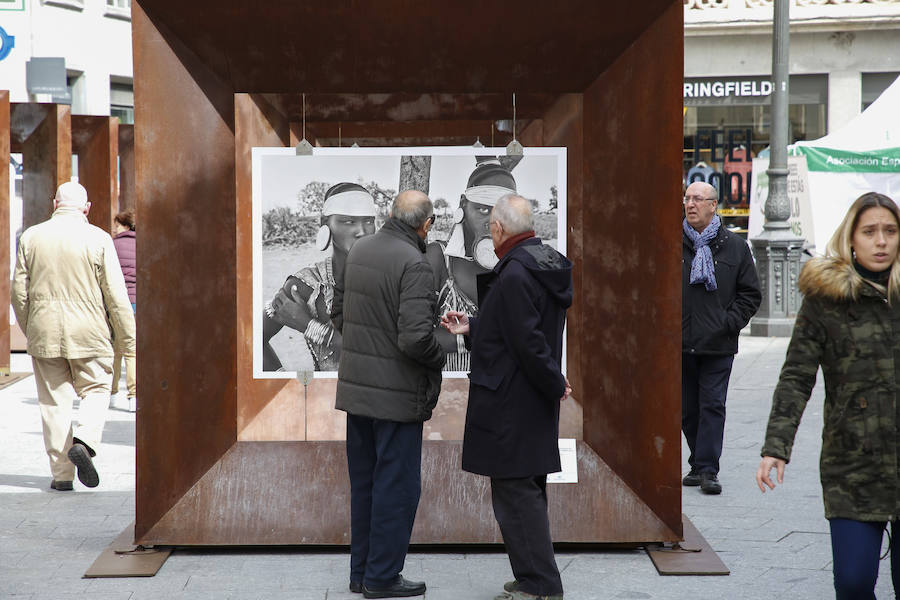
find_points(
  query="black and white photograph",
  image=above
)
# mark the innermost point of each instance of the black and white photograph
(308, 211)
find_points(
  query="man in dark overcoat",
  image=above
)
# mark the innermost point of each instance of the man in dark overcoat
(515, 389)
(389, 378)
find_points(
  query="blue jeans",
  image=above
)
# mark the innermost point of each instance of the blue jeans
(384, 459)
(855, 549)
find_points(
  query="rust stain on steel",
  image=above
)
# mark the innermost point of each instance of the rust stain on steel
(632, 241)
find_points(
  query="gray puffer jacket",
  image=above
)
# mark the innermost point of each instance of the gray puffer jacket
(384, 308)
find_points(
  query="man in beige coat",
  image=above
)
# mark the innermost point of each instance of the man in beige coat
(69, 297)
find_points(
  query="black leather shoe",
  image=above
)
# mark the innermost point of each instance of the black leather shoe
(81, 458)
(356, 587)
(709, 483)
(401, 588)
(692, 479)
(61, 486)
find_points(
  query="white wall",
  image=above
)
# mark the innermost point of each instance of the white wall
(93, 43)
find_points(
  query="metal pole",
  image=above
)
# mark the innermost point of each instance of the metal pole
(777, 250)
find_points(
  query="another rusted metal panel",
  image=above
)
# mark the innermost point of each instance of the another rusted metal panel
(47, 156)
(631, 289)
(5, 275)
(95, 139)
(126, 167)
(184, 161)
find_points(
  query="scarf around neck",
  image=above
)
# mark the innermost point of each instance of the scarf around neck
(702, 267)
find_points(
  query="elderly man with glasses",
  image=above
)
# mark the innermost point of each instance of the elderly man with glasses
(720, 292)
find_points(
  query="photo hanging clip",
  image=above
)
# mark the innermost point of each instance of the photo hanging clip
(304, 148)
(514, 148)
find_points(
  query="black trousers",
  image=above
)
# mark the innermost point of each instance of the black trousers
(704, 384)
(384, 460)
(520, 506)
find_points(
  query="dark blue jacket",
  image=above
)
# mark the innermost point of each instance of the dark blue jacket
(512, 421)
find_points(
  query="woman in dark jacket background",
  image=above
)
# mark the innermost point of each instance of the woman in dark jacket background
(125, 243)
(849, 323)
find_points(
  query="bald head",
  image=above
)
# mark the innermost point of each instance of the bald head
(412, 207)
(513, 212)
(701, 188)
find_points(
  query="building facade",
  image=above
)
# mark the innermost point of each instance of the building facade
(843, 54)
(92, 37)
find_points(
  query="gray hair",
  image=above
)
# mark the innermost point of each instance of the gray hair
(514, 214)
(412, 207)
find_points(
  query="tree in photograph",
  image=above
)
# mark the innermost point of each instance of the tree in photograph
(554, 198)
(415, 173)
(440, 206)
(384, 197)
(311, 197)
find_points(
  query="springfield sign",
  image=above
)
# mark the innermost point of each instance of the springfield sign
(845, 161)
(727, 88)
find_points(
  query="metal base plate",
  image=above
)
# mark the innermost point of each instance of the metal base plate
(10, 378)
(123, 559)
(693, 556)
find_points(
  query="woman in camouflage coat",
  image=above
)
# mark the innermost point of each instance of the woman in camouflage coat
(849, 323)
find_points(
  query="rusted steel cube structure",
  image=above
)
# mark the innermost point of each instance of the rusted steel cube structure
(226, 459)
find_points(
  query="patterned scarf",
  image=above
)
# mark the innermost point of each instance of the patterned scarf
(702, 267)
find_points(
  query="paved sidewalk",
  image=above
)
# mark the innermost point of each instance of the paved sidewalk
(776, 545)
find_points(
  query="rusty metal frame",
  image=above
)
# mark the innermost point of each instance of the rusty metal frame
(209, 467)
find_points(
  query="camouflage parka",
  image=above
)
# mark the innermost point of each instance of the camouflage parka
(846, 325)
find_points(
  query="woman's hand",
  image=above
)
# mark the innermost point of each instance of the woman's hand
(456, 322)
(765, 469)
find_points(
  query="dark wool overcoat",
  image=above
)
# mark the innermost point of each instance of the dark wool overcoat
(711, 321)
(846, 325)
(512, 421)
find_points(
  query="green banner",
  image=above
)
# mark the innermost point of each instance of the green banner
(845, 161)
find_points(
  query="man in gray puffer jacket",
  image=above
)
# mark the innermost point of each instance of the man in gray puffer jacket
(388, 383)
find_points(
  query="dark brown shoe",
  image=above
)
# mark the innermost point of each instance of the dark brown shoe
(81, 458)
(61, 486)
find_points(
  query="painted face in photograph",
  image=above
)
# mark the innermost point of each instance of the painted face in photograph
(876, 238)
(346, 229)
(476, 222)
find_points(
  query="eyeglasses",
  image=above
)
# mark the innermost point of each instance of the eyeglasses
(431, 219)
(696, 199)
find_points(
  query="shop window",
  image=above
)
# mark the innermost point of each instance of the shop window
(727, 122)
(873, 84)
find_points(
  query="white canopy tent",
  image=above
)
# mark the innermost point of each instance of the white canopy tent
(862, 156)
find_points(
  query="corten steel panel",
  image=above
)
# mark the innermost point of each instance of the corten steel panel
(632, 300)
(5, 275)
(126, 167)
(186, 417)
(197, 484)
(373, 46)
(46, 157)
(95, 140)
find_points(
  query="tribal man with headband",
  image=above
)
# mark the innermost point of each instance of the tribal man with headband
(304, 301)
(469, 251)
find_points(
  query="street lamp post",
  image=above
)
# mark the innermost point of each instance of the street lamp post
(777, 250)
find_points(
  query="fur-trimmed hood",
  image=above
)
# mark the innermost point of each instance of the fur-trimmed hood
(834, 279)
